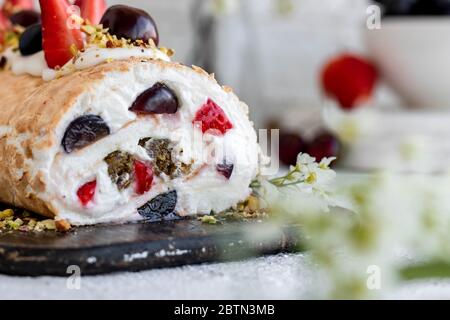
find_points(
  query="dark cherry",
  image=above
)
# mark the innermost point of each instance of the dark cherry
(396, 7)
(25, 18)
(31, 40)
(160, 208)
(159, 99)
(84, 131)
(431, 8)
(291, 144)
(130, 23)
(325, 145)
(3, 62)
(225, 169)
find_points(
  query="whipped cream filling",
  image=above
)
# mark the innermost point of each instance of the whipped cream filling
(35, 65)
(205, 191)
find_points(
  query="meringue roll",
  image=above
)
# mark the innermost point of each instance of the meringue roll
(122, 141)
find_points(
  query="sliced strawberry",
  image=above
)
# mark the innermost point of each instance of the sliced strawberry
(58, 38)
(350, 80)
(144, 177)
(213, 119)
(92, 10)
(4, 24)
(87, 192)
(12, 6)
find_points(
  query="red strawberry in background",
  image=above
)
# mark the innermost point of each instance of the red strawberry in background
(92, 10)
(350, 80)
(12, 6)
(58, 37)
(4, 24)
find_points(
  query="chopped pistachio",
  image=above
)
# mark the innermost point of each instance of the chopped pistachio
(253, 204)
(49, 224)
(6, 214)
(15, 225)
(45, 225)
(169, 52)
(74, 50)
(208, 220)
(32, 223)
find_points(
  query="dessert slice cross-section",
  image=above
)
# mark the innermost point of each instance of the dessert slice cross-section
(74, 149)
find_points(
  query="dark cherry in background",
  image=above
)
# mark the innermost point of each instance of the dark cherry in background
(130, 23)
(25, 18)
(159, 99)
(325, 145)
(291, 144)
(396, 8)
(322, 145)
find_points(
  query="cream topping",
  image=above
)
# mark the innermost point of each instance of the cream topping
(35, 65)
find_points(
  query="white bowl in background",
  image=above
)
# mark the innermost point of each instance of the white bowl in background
(413, 55)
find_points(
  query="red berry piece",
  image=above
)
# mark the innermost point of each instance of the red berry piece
(92, 10)
(4, 25)
(350, 80)
(159, 99)
(144, 177)
(4, 22)
(225, 169)
(130, 23)
(324, 146)
(58, 38)
(87, 192)
(291, 145)
(213, 119)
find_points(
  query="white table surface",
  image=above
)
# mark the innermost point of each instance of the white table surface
(274, 277)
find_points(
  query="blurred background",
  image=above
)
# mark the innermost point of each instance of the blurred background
(269, 51)
(296, 61)
(363, 80)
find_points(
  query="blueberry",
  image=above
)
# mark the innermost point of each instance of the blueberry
(225, 169)
(159, 99)
(25, 18)
(31, 40)
(130, 23)
(160, 208)
(83, 131)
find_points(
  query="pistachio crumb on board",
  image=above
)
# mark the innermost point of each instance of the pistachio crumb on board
(24, 221)
(248, 210)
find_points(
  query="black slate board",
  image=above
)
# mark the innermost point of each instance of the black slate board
(135, 247)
